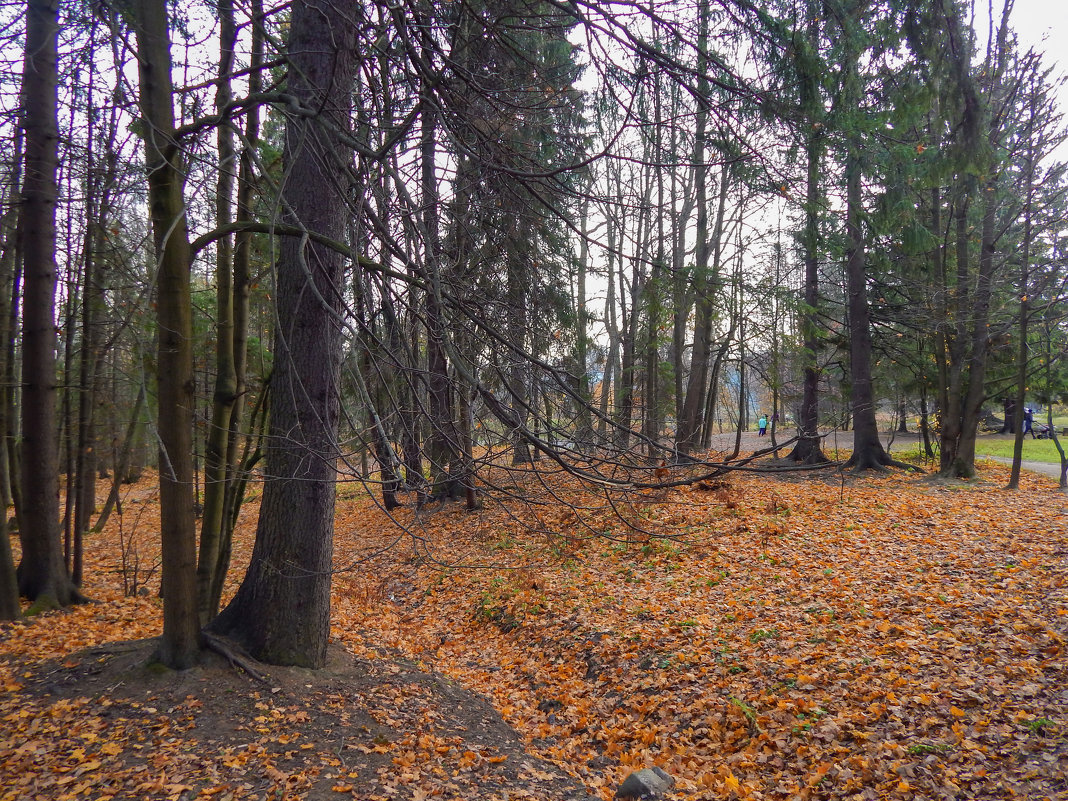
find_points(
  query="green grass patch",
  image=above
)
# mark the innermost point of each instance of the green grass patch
(1034, 450)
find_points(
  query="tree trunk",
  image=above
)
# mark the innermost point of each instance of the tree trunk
(517, 371)
(180, 644)
(443, 441)
(980, 335)
(235, 481)
(951, 348)
(925, 428)
(629, 336)
(1024, 293)
(10, 255)
(868, 452)
(742, 392)
(281, 611)
(961, 415)
(808, 449)
(101, 180)
(610, 379)
(42, 574)
(697, 386)
(1008, 414)
(10, 608)
(121, 461)
(217, 442)
(584, 428)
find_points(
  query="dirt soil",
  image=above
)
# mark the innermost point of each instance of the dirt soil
(214, 732)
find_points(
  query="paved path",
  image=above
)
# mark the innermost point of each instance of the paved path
(1045, 468)
(750, 441)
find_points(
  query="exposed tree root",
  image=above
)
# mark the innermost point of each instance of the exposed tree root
(235, 655)
(878, 462)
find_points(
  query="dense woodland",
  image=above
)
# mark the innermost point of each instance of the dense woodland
(440, 245)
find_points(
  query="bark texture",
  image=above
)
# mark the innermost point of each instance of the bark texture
(42, 574)
(180, 644)
(281, 612)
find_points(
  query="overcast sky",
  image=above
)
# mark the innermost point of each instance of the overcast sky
(1036, 20)
(1042, 24)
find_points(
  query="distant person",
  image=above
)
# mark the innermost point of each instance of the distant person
(762, 424)
(1029, 419)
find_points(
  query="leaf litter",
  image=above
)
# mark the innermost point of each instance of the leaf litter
(770, 639)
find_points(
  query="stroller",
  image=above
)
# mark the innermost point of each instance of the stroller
(1042, 431)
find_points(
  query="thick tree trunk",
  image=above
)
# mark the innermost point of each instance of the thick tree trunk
(868, 452)
(961, 414)
(281, 612)
(180, 644)
(42, 574)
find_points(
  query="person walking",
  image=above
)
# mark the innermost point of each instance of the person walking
(1029, 419)
(762, 424)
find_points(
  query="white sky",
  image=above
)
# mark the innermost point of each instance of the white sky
(1042, 24)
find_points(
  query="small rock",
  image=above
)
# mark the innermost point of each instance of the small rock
(646, 783)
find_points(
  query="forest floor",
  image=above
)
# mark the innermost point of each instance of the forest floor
(809, 636)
